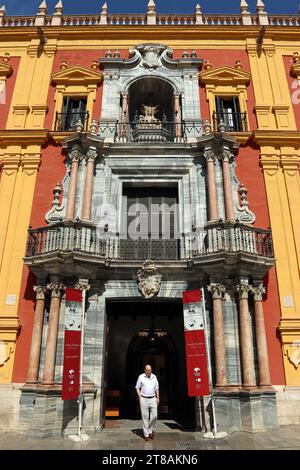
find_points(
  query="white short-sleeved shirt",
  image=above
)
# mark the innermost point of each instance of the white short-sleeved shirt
(147, 385)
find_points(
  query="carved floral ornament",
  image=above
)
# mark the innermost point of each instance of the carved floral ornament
(149, 279)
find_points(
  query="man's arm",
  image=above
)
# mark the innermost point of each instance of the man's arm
(138, 388)
(157, 391)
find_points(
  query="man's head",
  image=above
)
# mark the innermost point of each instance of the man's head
(148, 370)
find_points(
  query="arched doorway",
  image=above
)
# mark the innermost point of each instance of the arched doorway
(157, 349)
(151, 111)
(128, 347)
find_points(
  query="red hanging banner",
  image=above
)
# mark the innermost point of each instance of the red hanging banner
(194, 332)
(72, 341)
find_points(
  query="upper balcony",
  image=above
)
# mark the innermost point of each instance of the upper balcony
(150, 132)
(223, 246)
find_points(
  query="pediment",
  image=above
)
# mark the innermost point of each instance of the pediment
(76, 75)
(5, 70)
(225, 76)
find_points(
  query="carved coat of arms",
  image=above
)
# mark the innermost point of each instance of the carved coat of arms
(151, 55)
(293, 354)
(149, 279)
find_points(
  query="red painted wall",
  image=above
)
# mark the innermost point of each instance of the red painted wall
(250, 174)
(294, 88)
(10, 85)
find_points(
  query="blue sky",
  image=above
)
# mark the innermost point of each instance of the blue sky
(29, 7)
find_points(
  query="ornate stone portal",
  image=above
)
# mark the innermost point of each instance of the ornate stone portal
(149, 279)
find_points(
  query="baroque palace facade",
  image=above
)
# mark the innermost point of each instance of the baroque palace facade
(109, 119)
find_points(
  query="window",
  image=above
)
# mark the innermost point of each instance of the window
(228, 111)
(73, 109)
(150, 223)
(226, 92)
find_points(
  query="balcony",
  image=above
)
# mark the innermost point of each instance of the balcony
(150, 133)
(233, 122)
(67, 121)
(77, 237)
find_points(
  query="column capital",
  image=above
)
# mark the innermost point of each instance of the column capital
(82, 285)
(209, 156)
(217, 290)
(40, 292)
(225, 156)
(258, 292)
(243, 290)
(56, 288)
(75, 155)
(91, 155)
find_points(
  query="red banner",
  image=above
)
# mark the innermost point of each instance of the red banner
(196, 361)
(72, 341)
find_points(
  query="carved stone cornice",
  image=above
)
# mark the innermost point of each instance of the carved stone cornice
(217, 290)
(24, 137)
(56, 288)
(40, 292)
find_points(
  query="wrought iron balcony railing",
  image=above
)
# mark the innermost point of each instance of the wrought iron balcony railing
(67, 121)
(233, 122)
(161, 132)
(82, 238)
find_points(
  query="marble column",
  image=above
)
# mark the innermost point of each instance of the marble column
(124, 115)
(261, 340)
(75, 158)
(88, 188)
(211, 184)
(218, 291)
(227, 185)
(56, 289)
(178, 118)
(246, 337)
(37, 332)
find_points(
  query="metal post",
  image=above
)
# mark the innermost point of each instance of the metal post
(209, 367)
(81, 363)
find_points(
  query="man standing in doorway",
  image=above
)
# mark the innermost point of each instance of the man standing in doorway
(148, 393)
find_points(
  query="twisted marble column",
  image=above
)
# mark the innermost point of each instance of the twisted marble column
(56, 289)
(218, 291)
(37, 332)
(261, 340)
(246, 337)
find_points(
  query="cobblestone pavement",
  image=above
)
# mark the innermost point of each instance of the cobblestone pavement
(126, 435)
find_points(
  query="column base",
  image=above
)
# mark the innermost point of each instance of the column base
(246, 410)
(44, 414)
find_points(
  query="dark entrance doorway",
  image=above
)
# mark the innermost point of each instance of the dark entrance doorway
(146, 332)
